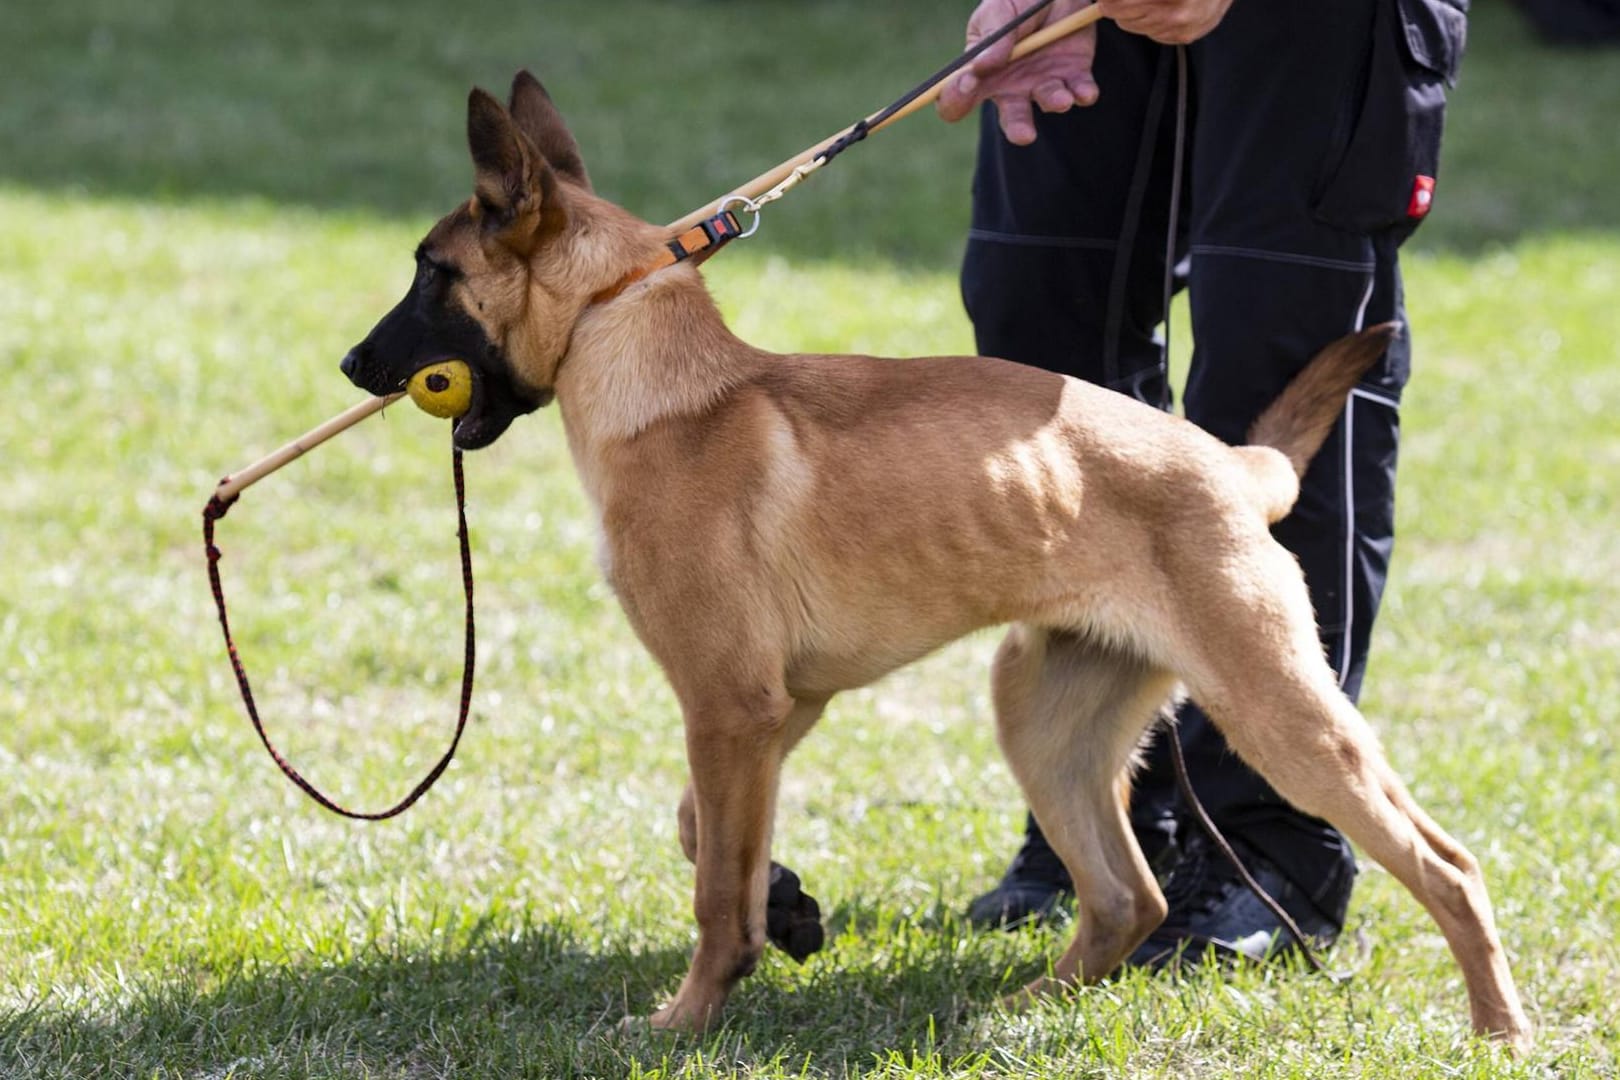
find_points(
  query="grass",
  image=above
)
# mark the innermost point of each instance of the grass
(201, 206)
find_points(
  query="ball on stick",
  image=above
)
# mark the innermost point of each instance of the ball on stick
(443, 389)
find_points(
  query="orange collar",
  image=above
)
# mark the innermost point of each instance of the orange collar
(697, 243)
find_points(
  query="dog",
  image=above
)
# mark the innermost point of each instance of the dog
(779, 528)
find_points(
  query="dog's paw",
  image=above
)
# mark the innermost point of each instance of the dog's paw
(792, 916)
(1042, 989)
(673, 1019)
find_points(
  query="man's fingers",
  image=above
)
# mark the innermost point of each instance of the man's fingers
(994, 58)
(989, 17)
(957, 98)
(1055, 79)
(1084, 89)
(1177, 23)
(1054, 96)
(1017, 119)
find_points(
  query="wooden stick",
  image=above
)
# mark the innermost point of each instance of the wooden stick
(771, 177)
(233, 485)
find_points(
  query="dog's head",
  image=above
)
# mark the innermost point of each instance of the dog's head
(501, 279)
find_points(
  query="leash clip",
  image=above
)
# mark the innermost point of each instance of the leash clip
(749, 206)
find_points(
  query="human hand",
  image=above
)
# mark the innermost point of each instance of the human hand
(1169, 22)
(1059, 77)
(1055, 78)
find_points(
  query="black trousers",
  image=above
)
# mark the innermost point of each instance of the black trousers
(1307, 126)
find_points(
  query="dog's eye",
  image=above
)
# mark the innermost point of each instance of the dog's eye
(435, 276)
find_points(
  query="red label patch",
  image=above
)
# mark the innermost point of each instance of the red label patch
(1422, 196)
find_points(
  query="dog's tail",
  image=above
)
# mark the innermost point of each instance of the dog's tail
(1298, 422)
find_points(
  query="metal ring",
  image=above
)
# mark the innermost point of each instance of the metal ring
(748, 205)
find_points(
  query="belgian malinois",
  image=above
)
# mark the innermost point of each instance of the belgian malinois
(780, 528)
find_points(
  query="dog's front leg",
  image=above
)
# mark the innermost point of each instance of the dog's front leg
(734, 745)
(792, 916)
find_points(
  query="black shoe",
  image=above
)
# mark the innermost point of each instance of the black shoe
(1033, 889)
(1213, 914)
(1036, 886)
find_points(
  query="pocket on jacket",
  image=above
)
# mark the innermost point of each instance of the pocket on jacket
(1385, 179)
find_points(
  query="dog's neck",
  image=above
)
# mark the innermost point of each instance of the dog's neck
(658, 351)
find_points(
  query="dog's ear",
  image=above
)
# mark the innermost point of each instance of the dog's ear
(515, 188)
(537, 117)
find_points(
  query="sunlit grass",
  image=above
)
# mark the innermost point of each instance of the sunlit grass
(170, 903)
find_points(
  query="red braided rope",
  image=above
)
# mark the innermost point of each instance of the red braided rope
(217, 509)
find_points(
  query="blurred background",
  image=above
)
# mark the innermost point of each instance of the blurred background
(360, 107)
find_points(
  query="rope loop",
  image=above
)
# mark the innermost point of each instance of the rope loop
(212, 513)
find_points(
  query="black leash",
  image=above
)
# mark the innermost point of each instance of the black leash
(863, 126)
(212, 513)
(1207, 824)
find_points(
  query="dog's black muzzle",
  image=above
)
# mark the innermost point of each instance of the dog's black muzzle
(416, 334)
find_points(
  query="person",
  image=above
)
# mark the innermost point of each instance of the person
(1271, 156)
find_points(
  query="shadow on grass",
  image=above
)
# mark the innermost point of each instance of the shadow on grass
(534, 1002)
(361, 107)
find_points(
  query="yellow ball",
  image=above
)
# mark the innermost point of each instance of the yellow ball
(443, 389)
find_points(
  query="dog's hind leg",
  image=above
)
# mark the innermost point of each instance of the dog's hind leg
(1257, 669)
(1069, 715)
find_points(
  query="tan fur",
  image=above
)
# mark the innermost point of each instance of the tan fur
(780, 528)
(1298, 422)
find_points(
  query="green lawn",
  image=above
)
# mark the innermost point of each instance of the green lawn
(203, 205)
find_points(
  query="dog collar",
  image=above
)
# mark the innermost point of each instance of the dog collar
(697, 243)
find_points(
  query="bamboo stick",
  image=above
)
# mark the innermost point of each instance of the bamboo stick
(234, 484)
